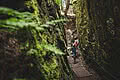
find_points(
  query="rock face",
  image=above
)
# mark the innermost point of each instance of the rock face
(99, 29)
(37, 58)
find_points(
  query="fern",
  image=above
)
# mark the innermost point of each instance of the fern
(26, 20)
(53, 22)
(56, 21)
(31, 34)
(49, 47)
(32, 52)
(53, 49)
(58, 2)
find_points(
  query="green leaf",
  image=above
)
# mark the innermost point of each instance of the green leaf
(39, 28)
(58, 2)
(45, 25)
(53, 49)
(50, 23)
(32, 51)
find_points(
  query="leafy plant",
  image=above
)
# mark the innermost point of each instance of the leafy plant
(58, 2)
(33, 38)
(27, 20)
(53, 49)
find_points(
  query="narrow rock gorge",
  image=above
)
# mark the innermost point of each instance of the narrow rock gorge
(99, 29)
(33, 41)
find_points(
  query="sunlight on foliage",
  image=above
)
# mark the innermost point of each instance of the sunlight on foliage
(53, 49)
(32, 51)
(26, 20)
(35, 39)
(19, 20)
(58, 2)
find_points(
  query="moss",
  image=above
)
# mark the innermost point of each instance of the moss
(82, 21)
(38, 62)
(97, 32)
(37, 10)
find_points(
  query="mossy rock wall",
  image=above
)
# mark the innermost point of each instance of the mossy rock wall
(98, 27)
(34, 61)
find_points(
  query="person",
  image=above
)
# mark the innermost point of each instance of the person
(74, 50)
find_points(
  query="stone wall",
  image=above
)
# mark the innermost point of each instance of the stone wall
(34, 61)
(99, 29)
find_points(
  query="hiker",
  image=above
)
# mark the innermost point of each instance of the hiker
(74, 50)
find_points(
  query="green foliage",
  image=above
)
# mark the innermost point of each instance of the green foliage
(58, 2)
(13, 13)
(33, 39)
(48, 47)
(53, 49)
(32, 52)
(27, 21)
(54, 22)
(19, 20)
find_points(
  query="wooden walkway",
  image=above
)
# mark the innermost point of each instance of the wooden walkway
(79, 69)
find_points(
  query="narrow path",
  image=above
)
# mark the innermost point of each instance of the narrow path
(79, 69)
